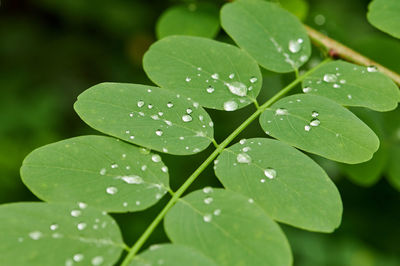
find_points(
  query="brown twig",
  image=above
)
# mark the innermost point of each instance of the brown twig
(337, 50)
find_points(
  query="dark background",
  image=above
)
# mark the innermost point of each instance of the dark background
(52, 50)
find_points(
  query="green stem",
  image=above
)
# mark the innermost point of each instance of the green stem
(140, 242)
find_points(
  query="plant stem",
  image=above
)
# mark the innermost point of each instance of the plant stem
(139, 243)
(336, 49)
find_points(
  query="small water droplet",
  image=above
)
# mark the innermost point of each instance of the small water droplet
(156, 158)
(76, 213)
(199, 68)
(81, 226)
(150, 106)
(281, 111)
(97, 260)
(164, 169)
(246, 149)
(372, 69)
(349, 96)
(207, 218)
(243, 158)
(330, 78)
(342, 81)
(125, 204)
(217, 212)
(35, 235)
(111, 190)
(187, 118)
(215, 76)
(314, 114)
(231, 76)
(140, 103)
(315, 122)
(69, 262)
(306, 89)
(131, 114)
(242, 141)
(210, 89)
(155, 117)
(188, 79)
(253, 80)
(207, 190)
(189, 111)
(103, 171)
(270, 173)
(307, 127)
(82, 205)
(237, 88)
(159, 132)
(208, 200)
(78, 257)
(132, 179)
(295, 45)
(262, 180)
(230, 106)
(53, 227)
(114, 165)
(137, 203)
(336, 86)
(170, 105)
(251, 200)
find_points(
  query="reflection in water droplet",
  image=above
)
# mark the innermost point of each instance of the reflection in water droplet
(315, 114)
(315, 122)
(295, 45)
(207, 218)
(281, 111)
(215, 76)
(230, 106)
(156, 158)
(187, 118)
(330, 78)
(159, 132)
(243, 158)
(253, 80)
(111, 190)
(164, 169)
(140, 103)
(231, 76)
(270, 173)
(307, 127)
(237, 88)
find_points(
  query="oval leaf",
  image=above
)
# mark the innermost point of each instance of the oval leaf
(272, 35)
(384, 15)
(193, 19)
(287, 184)
(353, 85)
(318, 125)
(99, 171)
(217, 75)
(171, 255)
(147, 116)
(57, 234)
(227, 227)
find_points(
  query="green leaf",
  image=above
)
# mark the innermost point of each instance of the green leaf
(217, 75)
(227, 227)
(98, 171)
(318, 125)
(172, 255)
(384, 15)
(296, 7)
(287, 184)
(353, 85)
(272, 35)
(57, 234)
(394, 166)
(147, 116)
(193, 19)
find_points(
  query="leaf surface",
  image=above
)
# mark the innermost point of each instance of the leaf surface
(272, 35)
(227, 227)
(318, 125)
(287, 184)
(57, 234)
(171, 255)
(353, 85)
(99, 171)
(193, 19)
(217, 75)
(147, 116)
(384, 15)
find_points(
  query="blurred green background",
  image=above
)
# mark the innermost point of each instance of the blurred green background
(50, 51)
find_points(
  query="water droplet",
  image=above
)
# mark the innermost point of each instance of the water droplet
(170, 105)
(144, 167)
(253, 80)
(150, 106)
(82, 205)
(114, 165)
(81, 226)
(132, 179)
(35, 235)
(155, 117)
(349, 96)
(232, 75)
(76, 213)
(208, 200)
(315, 122)
(314, 114)
(156, 158)
(53, 227)
(242, 141)
(189, 111)
(97, 260)
(215, 76)
(336, 86)
(148, 90)
(372, 69)
(210, 89)
(270, 173)
(207, 190)
(164, 169)
(307, 89)
(230, 106)
(303, 58)
(243, 158)
(169, 123)
(125, 204)
(111, 190)
(159, 132)
(237, 88)
(56, 235)
(251, 200)
(181, 138)
(69, 262)
(330, 78)
(103, 171)
(217, 212)
(281, 111)
(307, 127)
(207, 218)
(78, 257)
(246, 149)
(262, 180)
(137, 203)
(140, 103)
(164, 149)
(187, 118)
(188, 79)
(342, 81)
(141, 113)
(131, 114)
(295, 46)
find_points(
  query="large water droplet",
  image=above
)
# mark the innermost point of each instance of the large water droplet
(330, 78)
(111, 190)
(187, 118)
(230, 106)
(281, 111)
(270, 173)
(243, 158)
(159, 132)
(132, 179)
(315, 122)
(156, 158)
(237, 88)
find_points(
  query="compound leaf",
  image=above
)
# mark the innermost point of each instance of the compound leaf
(353, 85)
(98, 171)
(217, 75)
(384, 15)
(193, 19)
(147, 116)
(318, 125)
(172, 255)
(227, 227)
(57, 234)
(272, 35)
(287, 184)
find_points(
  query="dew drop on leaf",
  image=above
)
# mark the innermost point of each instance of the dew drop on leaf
(76, 213)
(372, 69)
(210, 89)
(215, 76)
(170, 105)
(306, 89)
(140, 103)
(186, 118)
(217, 212)
(307, 127)
(315, 122)
(35, 235)
(237, 88)
(208, 200)
(270, 173)
(81, 226)
(97, 260)
(207, 190)
(156, 158)
(207, 218)
(281, 111)
(330, 78)
(78, 257)
(111, 190)
(159, 132)
(230, 106)
(231, 76)
(53, 227)
(243, 158)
